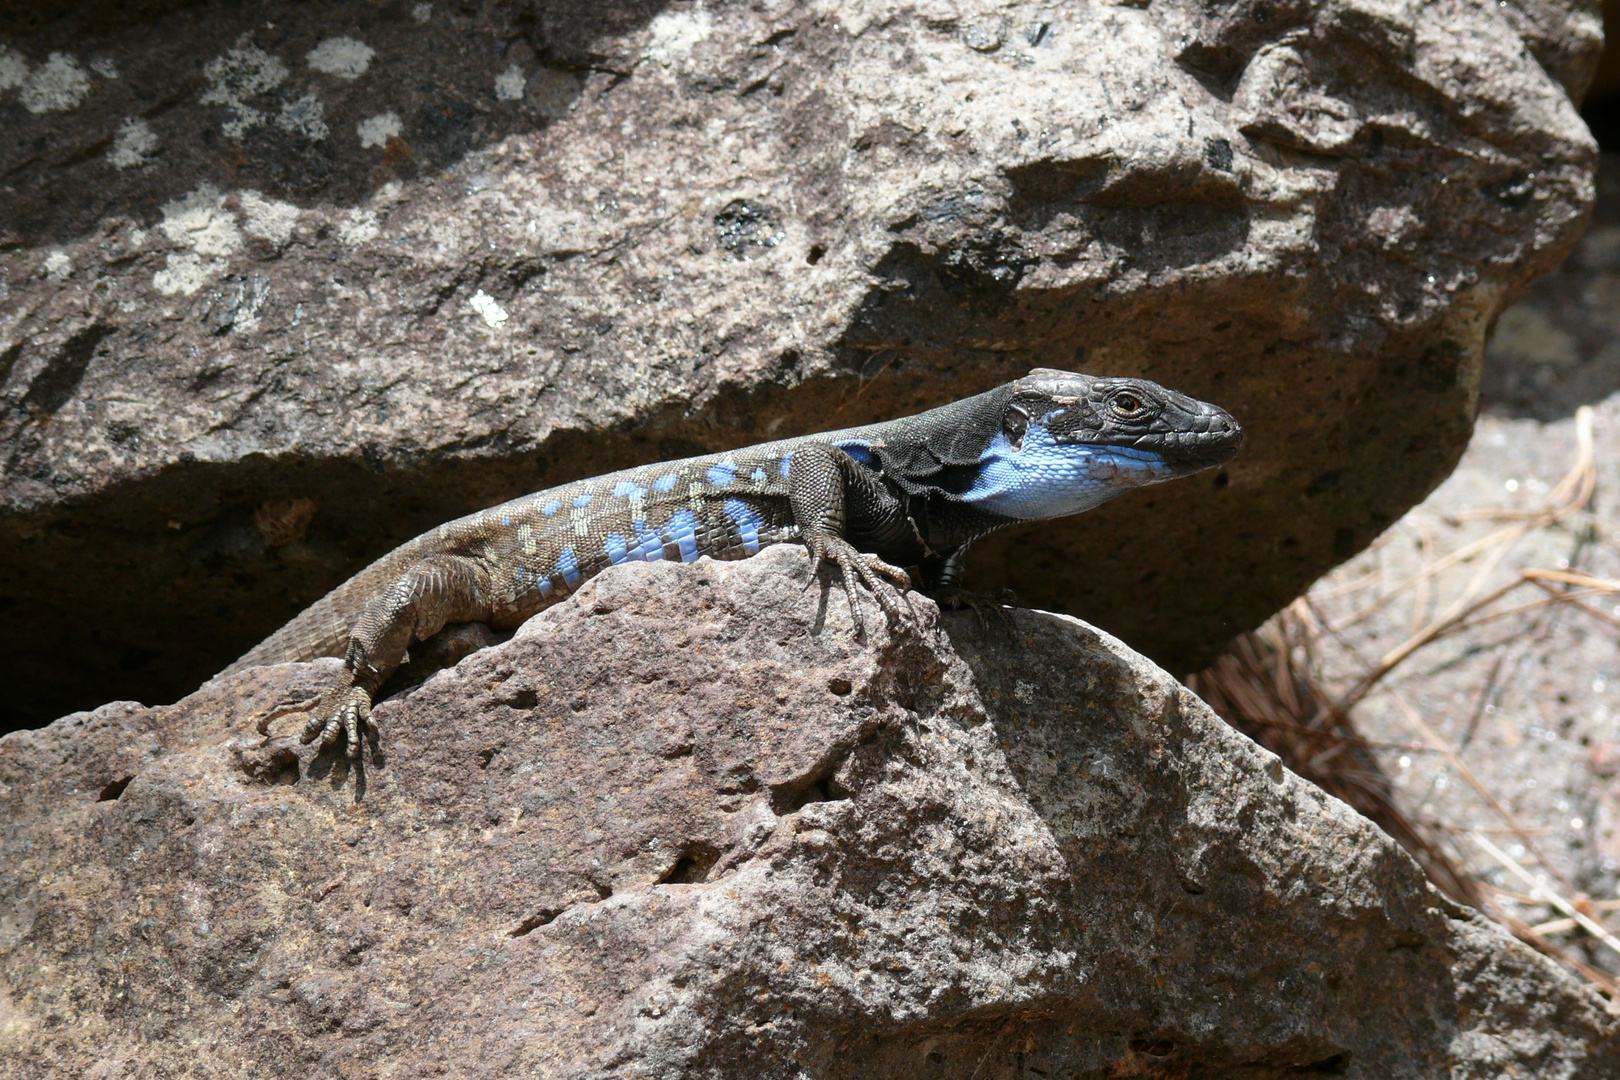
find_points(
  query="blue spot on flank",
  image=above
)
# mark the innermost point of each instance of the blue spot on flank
(551, 508)
(787, 463)
(568, 567)
(615, 548)
(722, 473)
(518, 573)
(506, 522)
(682, 529)
(665, 482)
(627, 489)
(649, 545)
(546, 587)
(748, 524)
(858, 449)
(759, 476)
(1046, 479)
(582, 501)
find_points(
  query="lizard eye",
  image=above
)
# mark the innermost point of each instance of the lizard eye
(1014, 426)
(1127, 404)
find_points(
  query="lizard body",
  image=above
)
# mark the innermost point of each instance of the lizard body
(911, 492)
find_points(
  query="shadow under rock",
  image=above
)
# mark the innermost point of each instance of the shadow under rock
(1559, 347)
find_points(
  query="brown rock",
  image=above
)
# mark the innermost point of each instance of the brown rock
(405, 260)
(682, 825)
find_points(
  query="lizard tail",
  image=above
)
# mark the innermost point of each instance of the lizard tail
(318, 630)
(323, 628)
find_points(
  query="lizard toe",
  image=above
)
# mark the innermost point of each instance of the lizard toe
(356, 718)
(322, 728)
(889, 570)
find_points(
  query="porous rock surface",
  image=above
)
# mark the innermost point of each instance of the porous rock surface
(683, 825)
(282, 285)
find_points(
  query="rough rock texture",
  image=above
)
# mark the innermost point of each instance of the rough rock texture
(683, 825)
(283, 285)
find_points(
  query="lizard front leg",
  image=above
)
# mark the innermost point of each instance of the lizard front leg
(820, 479)
(437, 590)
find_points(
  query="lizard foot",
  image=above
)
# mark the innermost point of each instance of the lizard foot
(996, 607)
(344, 710)
(341, 710)
(853, 565)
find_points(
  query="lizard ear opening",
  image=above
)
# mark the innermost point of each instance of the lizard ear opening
(1013, 426)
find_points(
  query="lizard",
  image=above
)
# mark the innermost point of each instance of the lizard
(913, 492)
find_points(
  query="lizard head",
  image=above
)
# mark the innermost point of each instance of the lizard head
(1068, 442)
(1185, 435)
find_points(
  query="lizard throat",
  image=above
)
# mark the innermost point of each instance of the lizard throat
(1047, 479)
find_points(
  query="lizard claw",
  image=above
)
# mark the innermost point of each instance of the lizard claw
(346, 712)
(284, 708)
(984, 607)
(856, 565)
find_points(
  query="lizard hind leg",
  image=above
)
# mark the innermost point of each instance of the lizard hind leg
(415, 605)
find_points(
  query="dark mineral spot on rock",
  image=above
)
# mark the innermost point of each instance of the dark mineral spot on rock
(745, 228)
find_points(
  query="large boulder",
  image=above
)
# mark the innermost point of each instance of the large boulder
(683, 825)
(282, 286)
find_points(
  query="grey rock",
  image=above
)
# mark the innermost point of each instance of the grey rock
(683, 826)
(406, 260)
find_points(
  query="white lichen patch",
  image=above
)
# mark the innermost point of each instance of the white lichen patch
(134, 145)
(509, 84)
(201, 222)
(377, 130)
(57, 85)
(269, 219)
(243, 72)
(304, 116)
(674, 33)
(103, 66)
(185, 274)
(357, 227)
(422, 12)
(486, 306)
(57, 265)
(343, 57)
(13, 69)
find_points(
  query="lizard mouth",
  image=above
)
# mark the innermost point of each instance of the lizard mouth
(1210, 439)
